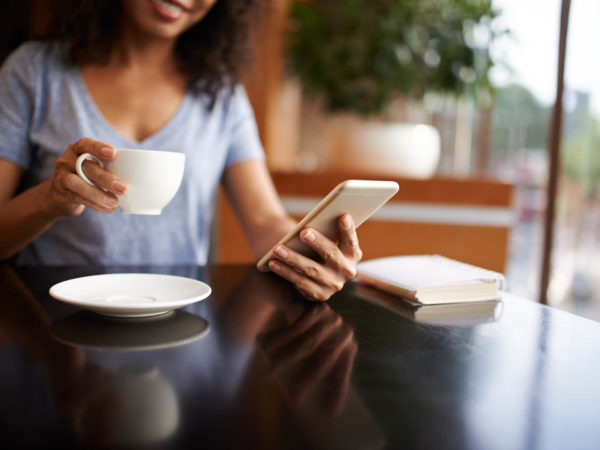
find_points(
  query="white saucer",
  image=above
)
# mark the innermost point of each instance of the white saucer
(131, 294)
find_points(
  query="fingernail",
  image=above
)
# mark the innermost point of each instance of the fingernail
(281, 251)
(308, 235)
(107, 152)
(119, 186)
(273, 265)
(110, 201)
(346, 222)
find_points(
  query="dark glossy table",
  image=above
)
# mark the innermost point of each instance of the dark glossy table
(256, 366)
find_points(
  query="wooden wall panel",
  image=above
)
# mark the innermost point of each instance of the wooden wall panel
(482, 246)
(452, 191)
(230, 244)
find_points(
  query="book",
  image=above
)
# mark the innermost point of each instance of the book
(445, 314)
(431, 279)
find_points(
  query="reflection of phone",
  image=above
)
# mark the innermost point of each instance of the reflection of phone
(359, 198)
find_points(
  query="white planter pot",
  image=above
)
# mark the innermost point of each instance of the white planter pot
(401, 149)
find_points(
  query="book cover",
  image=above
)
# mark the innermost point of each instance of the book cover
(431, 279)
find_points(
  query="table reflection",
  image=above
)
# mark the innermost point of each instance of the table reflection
(464, 314)
(316, 350)
(269, 358)
(311, 359)
(89, 330)
(276, 372)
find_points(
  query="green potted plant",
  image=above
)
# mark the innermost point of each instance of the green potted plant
(366, 56)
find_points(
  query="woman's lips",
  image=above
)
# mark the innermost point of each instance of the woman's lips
(168, 9)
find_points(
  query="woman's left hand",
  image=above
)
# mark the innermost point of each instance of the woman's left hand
(320, 280)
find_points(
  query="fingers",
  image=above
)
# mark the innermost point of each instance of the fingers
(318, 280)
(100, 177)
(329, 252)
(348, 238)
(302, 264)
(97, 148)
(90, 196)
(307, 286)
(70, 193)
(75, 190)
(315, 280)
(104, 179)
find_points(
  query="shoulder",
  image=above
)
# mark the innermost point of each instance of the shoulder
(229, 95)
(29, 49)
(235, 103)
(230, 106)
(34, 57)
(239, 96)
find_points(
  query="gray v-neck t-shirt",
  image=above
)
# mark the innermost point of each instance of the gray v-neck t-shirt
(45, 106)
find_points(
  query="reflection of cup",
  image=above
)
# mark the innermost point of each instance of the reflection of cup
(145, 409)
(153, 177)
(149, 407)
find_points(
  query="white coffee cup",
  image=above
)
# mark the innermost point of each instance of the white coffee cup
(153, 177)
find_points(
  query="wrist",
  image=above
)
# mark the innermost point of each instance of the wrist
(49, 207)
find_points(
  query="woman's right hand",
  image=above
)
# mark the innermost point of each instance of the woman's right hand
(69, 194)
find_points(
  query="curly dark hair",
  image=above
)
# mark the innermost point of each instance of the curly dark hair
(92, 26)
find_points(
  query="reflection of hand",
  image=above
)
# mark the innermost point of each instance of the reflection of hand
(313, 357)
(85, 398)
(82, 390)
(320, 280)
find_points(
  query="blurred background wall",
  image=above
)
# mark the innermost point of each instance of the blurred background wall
(438, 94)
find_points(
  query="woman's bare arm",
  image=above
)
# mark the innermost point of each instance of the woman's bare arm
(25, 216)
(264, 220)
(256, 203)
(22, 217)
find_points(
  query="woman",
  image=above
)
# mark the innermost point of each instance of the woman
(157, 74)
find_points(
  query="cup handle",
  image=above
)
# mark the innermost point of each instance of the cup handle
(79, 163)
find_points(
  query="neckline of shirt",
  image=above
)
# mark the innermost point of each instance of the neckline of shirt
(100, 119)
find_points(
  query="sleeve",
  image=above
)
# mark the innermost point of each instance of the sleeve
(17, 87)
(244, 143)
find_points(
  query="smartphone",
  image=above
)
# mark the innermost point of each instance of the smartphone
(359, 198)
